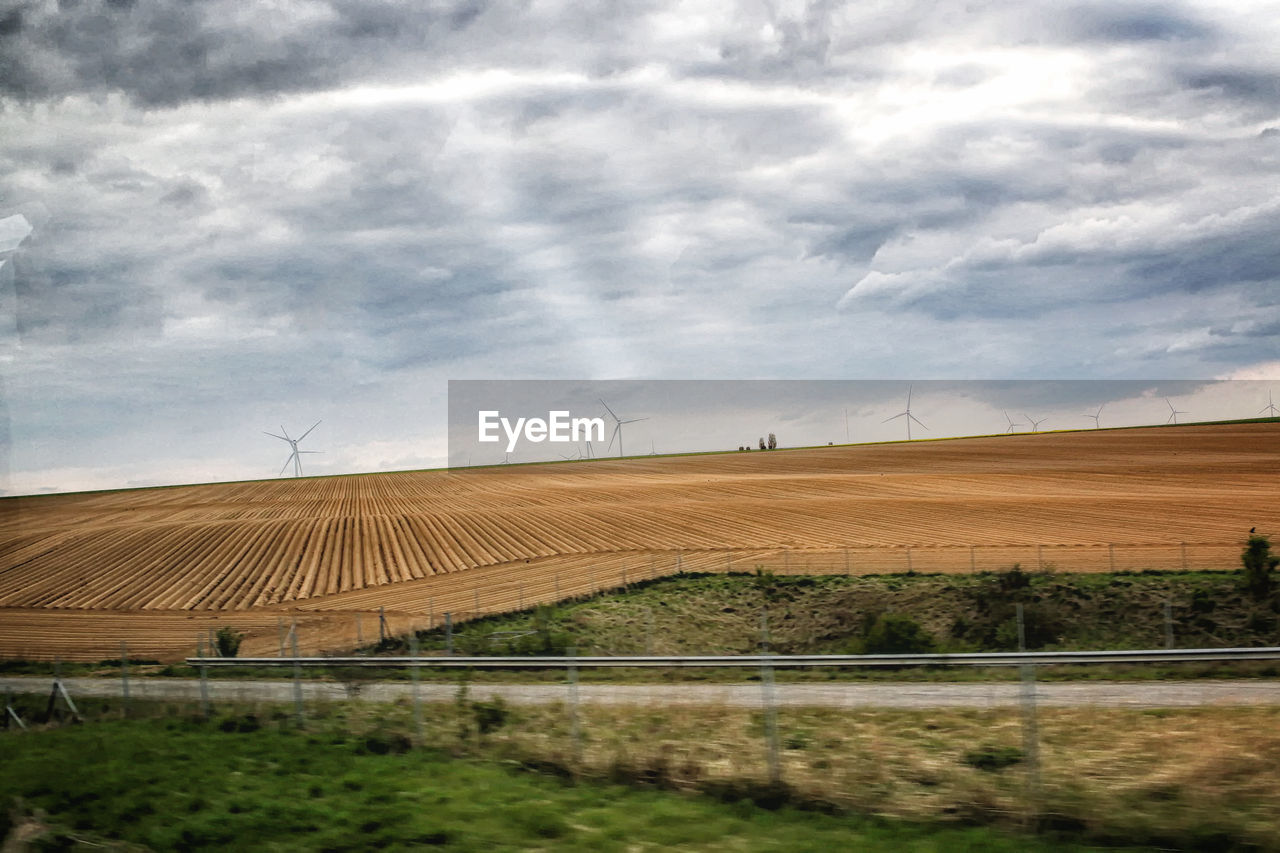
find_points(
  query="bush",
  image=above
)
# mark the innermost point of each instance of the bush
(228, 642)
(895, 634)
(490, 716)
(993, 758)
(1258, 565)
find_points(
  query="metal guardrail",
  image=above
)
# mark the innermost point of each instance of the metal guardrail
(966, 659)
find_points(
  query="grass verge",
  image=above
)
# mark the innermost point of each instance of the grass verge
(255, 782)
(1204, 779)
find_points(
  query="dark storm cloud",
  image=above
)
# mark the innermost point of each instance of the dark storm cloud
(1120, 23)
(161, 53)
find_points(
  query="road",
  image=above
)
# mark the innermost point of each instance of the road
(1161, 694)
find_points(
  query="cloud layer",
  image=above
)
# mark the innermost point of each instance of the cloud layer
(247, 214)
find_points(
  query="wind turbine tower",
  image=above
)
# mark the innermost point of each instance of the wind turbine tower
(906, 414)
(617, 428)
(296, 455)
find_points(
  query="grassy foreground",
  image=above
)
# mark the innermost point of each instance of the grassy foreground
(363, 776)
(245, 782)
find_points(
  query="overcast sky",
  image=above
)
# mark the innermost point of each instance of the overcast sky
(221, 218)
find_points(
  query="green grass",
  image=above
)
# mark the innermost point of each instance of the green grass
(180, 784)
(719, 614)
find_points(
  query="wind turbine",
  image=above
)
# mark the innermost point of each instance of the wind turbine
(1035, 425)
(1096, 423)
(1173, 413)
(296, 456)
(652, 452)
(907, 414)
(1271, 407)
(1012, 422)
(617, 428)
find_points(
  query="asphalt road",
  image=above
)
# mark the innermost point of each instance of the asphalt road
(1161, 694)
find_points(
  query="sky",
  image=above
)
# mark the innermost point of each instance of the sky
(219, 219)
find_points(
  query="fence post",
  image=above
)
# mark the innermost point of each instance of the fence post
(204, 677)
(297, 679)
(1030, 728)
(770, 708)
(909, 567)
(574, 728)
(1168, 625)
(847, 570)
(417, 696)
(382, 626)
(124, 678)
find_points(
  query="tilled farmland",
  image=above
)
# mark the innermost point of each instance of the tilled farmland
(81, 572)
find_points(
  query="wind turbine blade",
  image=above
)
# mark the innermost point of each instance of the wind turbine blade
(273, 435)
(311, 451)
(634, 420)
(286, 464)
(609, 410)
(286, 433)
(909, 387)
(894, 418)
(308, 432)
(617, 429)
(917, 420)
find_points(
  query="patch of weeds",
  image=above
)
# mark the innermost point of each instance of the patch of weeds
(993, 758)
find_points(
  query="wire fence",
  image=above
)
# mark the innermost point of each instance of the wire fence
(359, 618)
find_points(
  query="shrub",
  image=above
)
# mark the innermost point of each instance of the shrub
(993, 758)
(895, 634)
(1258, 565)
(490, 715)
(228, 641)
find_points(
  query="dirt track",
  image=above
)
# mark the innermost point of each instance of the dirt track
(78, 573)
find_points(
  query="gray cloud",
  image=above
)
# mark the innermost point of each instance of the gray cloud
(340, 207)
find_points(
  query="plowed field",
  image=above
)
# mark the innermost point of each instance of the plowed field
(81, 572)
